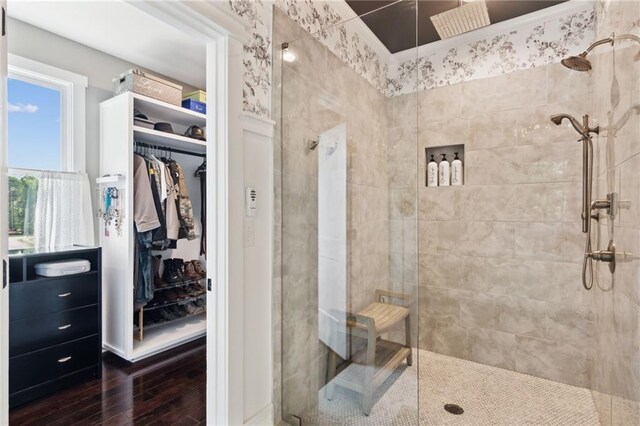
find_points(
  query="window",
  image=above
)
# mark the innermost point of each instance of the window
(46, 132)
(35, 140)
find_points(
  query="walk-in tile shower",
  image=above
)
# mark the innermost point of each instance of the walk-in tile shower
(396, 295)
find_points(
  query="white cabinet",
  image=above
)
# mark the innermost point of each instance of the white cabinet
(118, 135)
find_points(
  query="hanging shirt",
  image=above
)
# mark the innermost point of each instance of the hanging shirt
(161, 169)
(145, 214)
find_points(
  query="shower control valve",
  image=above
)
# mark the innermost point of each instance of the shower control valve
(607, 256)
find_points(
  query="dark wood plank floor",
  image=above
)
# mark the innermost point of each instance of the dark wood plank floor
(168, 389)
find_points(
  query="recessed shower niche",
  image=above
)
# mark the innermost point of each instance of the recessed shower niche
(444, 166)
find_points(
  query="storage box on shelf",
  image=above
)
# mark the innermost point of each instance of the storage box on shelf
(196, 106)
(198, 95)
(147, 84)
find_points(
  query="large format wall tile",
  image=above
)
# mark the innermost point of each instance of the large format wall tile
(492, 347)
(552, 360)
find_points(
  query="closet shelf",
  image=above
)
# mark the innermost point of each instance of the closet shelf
(106, 180)
(177, 302)
(160, 324)
(180, 284)
(156, 137)
(162, 111)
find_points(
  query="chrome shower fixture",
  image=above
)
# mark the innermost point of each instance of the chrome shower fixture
(312, 144)
(583, 129)
(590, 210)
(464, 18)
(581, 63)
(587, 160)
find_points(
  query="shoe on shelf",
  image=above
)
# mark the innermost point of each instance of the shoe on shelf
(190, 308)
(166, 314)
(199, 269)
(170, 274)
(194, 290)
(157, 281)
(190, 271)
(152, 317)
(179, 268)
(156, 301)
(176, 311)
(171, 296)
(201, 302)
(181, 293)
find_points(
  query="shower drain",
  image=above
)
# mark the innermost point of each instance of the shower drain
(453, 409)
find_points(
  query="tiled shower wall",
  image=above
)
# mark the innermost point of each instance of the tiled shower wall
(319, 93)
(615, 370)
(499, 258)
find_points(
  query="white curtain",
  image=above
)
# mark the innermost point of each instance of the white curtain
(64, 215)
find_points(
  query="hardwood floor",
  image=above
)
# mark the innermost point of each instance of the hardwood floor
(168, 389)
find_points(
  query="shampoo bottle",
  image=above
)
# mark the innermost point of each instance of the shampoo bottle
(444, 171)
(432, 172)
(456, 171)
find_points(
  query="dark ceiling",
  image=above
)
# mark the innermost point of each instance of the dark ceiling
(395, 25)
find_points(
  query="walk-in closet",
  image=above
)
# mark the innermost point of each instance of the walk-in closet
(154, 243)
(131, 155)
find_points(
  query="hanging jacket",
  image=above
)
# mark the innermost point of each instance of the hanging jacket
(145, 214)
(173, 221)
(185, 209)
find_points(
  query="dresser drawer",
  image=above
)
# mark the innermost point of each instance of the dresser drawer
(35, 333)
(37, 367)
(48, 295)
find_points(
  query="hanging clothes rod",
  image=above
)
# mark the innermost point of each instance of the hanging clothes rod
(169, 149)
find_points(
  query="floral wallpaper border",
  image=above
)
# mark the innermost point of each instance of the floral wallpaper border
(527, 47)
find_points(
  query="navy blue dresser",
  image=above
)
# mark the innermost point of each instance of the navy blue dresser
(55, 325)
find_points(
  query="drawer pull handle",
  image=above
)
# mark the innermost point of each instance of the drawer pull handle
(64, 327)
(65, 359)
(64, 294)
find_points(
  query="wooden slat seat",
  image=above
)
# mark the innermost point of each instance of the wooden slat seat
(384, 315)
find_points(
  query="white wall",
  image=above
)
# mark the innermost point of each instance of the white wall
(39, 45)
(258, 231)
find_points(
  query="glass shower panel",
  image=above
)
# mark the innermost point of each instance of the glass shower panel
(347, 225)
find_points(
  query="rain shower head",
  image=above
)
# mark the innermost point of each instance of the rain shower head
(581, 63)
(464, 18)
(577, 63)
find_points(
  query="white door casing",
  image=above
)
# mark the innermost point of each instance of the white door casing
(4, 289)
(223, 34)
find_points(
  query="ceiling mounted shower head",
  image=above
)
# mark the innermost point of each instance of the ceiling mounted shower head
(462, 19)
(577, 63)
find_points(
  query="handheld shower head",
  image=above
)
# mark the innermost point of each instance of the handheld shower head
(584, 131)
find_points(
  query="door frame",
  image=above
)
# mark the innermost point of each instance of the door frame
(4, 286)
(224, 34)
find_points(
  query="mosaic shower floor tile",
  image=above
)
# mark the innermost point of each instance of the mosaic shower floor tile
(488, 395)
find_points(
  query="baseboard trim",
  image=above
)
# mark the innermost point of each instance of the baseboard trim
(263, 417)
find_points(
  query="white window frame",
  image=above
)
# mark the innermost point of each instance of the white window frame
(72, 88)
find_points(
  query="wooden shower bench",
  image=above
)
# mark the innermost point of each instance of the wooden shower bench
(371, 366)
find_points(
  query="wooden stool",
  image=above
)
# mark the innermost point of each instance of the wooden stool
(370, 367)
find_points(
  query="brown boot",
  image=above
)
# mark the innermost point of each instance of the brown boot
(199, 269)
(190, 271)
